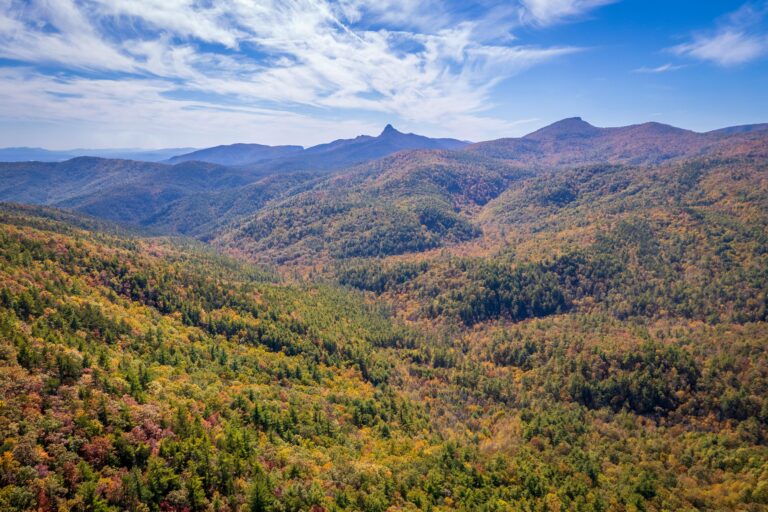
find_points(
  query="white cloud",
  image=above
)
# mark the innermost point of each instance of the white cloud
(187, 18)
(55, 31)
(548, 12)
(104, 112)
(664, 68)
(738, 38)
(405, 58)
(725, 48)
(421, 15)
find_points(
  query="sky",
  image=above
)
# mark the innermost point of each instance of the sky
(198, 73)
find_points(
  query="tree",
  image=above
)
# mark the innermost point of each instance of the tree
(261, 497)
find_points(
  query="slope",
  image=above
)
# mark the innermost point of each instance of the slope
(408, 202)
(575, 142)
(684, 238)
(142, 374)
(119, 190)
(136, 373)
(348, 152)
(236, 154)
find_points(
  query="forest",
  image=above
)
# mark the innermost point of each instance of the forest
(146, 373)
(474, 330)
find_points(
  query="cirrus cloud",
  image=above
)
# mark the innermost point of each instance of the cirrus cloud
(547, 12)
(739, 38)
(416, 61)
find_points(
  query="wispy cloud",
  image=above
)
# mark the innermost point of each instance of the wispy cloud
(411, 59)
(664, 68)
(738, 38)
(55, 31)
(548, 12)
(726, 48)
(130, 112)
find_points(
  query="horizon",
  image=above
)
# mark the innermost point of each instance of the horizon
(193, 149)
(92, 74)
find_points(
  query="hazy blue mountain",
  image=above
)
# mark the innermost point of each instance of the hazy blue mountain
(333, 155)
(347, 152)
(237, 154)
(119, 190)
(744, 128)
(23, 154)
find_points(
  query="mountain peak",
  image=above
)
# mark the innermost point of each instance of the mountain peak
(568, 127)
(389, 130)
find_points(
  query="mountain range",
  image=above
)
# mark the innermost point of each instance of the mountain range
(24, 154)
(333, 155)
(136, 191)
(236, 154)
(576, 319)
(573, 141)
(224, 193)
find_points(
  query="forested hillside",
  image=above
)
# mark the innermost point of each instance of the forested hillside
(436, 330)
(421, 201)
(426, 191)
(148, 374)
(409, 202)
(142, 375)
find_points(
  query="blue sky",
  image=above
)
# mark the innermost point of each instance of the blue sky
(165, 73)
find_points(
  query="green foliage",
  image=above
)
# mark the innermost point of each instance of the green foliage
(612, 358)
(410, 202)
(166, 382)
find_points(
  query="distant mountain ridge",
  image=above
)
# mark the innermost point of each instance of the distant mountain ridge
(389, 138)
(236, 154)
(332, 155)
(419, 186)
(574, 141)
(118, 190)
(25, 154)
(744, 128)
(191, 193)
(570, 127)
(347, 152)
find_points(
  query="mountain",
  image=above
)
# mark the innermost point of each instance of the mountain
(575, 142)
(418, 197)
(574, 127)
(487, 337)
(194, 194)
(45, 155)
(407, 202)
(745, 128)
(346, 152)
(236, 154)
(333, 155)
(415, 202)
(119, 190)
(389, 141)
